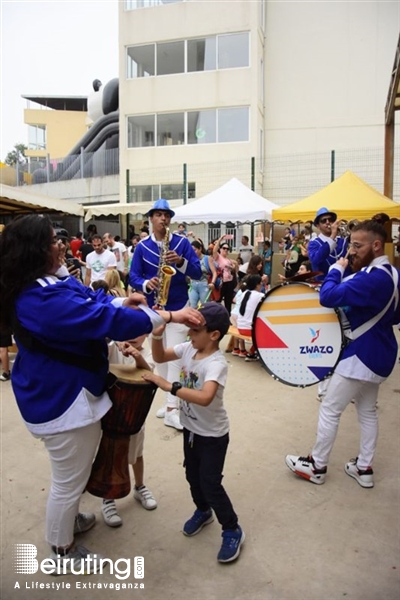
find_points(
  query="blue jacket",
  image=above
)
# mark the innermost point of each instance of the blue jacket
(324, 252)
(365, 294)
(145, 263)
(66, 315)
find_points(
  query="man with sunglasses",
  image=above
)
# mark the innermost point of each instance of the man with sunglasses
(327, 247)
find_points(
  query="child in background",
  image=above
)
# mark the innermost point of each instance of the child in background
(239, 348)
(205, 422)
(250, 301)
(131, 352)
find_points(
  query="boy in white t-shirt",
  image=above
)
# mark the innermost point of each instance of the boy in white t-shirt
(135, 353)
(205, 422)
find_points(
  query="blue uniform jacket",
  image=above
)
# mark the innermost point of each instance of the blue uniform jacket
(146, 259)
(365, 294)
(66, 315)
(321, 255)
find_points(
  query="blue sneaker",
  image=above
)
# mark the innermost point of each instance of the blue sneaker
(197, 522)
(232, 539)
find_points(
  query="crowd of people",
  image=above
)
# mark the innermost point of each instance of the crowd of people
(71, 324)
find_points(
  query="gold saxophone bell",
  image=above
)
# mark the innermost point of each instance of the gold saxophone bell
(167, 272)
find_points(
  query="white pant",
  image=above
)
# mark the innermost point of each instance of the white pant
(341, 391)
(71, 456)
(174, 333)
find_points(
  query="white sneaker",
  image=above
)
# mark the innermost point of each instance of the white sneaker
(84, 522)
(364, 478)
(145, 497)
(110, 513)
(171, 419)
(160, 414)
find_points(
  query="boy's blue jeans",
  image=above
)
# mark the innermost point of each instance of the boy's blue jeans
(204, 463)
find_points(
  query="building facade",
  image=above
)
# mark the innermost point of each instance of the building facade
(207, 86)
(55, 124)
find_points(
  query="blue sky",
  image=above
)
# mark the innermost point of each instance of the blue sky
(55, 47)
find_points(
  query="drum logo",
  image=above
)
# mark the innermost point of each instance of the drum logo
(315, 334)
(315, 351)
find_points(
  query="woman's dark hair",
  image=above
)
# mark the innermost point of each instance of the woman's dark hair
(253, 264)
(251, 282)
(199, 246)
(24, 256)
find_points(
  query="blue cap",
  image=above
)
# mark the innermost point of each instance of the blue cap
(324, 211)
(161, 204)
(216, 317)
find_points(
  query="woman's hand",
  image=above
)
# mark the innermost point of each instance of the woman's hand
(134, 300)
(188, 316)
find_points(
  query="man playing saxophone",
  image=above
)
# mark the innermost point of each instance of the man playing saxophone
(159, 249)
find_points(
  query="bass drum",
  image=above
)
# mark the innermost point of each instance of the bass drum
(299, 342)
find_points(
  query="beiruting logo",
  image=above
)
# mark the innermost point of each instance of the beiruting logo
(25, 562)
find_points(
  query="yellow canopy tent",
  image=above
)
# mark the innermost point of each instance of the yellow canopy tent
(348, 196)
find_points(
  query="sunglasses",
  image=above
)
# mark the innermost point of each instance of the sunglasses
(225, 248)
(326, 220)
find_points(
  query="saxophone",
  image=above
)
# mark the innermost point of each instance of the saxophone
(164, 274)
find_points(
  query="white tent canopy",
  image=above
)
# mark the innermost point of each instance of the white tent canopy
(233, 202)
(22, 200)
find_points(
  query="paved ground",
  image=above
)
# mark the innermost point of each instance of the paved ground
(303, 542)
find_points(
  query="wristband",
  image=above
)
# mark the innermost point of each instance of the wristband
(157, 337)
(170, 318)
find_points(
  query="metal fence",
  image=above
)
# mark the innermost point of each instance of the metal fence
(73, 166)
(281, 178)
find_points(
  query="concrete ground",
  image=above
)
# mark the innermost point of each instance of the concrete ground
(303, 542)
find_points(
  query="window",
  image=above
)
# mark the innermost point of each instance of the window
(170, 129)
(202, 127)
(141, 131)
(143, 193)
(202, 54)
(233, 50)
(169, 191)
(37, 137)
(140, 61)
(171, 58)
(233, 125)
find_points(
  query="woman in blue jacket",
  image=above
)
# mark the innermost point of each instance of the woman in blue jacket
(59, 376)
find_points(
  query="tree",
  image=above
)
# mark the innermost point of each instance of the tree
(16, 156)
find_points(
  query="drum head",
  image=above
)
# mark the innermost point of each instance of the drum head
(128, 374)
(298, 340)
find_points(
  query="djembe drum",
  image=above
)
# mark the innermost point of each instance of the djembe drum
(132, 398)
